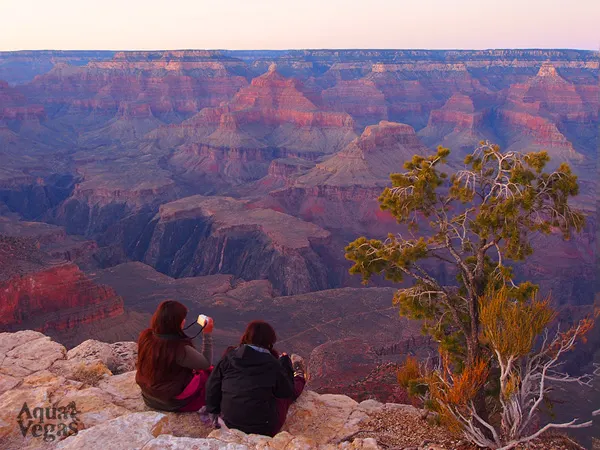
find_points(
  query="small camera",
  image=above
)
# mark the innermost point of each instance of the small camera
(202, 320)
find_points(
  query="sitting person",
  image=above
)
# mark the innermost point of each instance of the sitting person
(170, 371)
(252, 386)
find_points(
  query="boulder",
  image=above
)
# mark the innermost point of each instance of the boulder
(168, 442)
(131, 431)
(124, 391)
(118, 357)
(94, 405)
(25, 352)
(7, 382)
(327, 416)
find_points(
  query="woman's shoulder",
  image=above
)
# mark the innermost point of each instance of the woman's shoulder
(227, 355)
(229, 350)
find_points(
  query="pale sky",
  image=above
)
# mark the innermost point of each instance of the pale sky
(287, 24)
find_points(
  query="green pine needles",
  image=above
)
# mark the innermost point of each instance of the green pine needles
(475, 220)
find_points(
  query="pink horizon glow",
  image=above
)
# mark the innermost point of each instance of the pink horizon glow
(284, 24)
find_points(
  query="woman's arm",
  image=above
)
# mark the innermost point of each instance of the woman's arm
(192, 359)
(207, 346)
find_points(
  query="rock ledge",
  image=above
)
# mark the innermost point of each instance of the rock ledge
(110, 413)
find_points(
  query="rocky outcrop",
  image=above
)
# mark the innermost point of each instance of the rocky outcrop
(111, 188)
(458, 125)
(40, 373)
(271, 118)
(55, 299)
(524, 131)
(359, 98)
(208, 235)
(42, 288)
(106, 411)
(29, 195)
(92, 408)
(282, 173)
(538, 113)
(172, 83)
(345, 187)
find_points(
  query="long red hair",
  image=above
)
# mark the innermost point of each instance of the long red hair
(159, 345)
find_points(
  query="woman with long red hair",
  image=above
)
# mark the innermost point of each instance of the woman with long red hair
(170, 371)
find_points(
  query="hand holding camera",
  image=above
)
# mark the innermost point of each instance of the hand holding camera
(206, 323)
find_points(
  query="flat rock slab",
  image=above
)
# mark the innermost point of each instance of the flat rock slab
(132, 431)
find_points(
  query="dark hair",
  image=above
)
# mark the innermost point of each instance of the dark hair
(159, 345)
(259, 333)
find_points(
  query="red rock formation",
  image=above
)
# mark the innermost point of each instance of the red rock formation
(116, 126)
(526, 131)
(273, 91)
(551, 93)
(359, 98)
(169, 82)
(344, 188)
(14, 106)
(536, 112)
(208, 235)
(56, 298)
(282, 172)
(412, 90)
(457, 125)
(271, 118)
(39, 288)
(272, 100)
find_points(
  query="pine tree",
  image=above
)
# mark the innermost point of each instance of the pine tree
(476, 220)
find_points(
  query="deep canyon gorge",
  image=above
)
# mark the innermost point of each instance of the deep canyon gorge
(232, 180)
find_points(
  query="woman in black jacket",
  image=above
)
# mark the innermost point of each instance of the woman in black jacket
(252, 386)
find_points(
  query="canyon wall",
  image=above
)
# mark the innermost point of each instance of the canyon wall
(262, 165)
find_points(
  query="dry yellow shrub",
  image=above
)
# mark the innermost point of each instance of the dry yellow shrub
(409, 371)
(90, 374)
(511, 326)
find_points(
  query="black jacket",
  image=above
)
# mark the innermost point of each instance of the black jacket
(244, 386)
